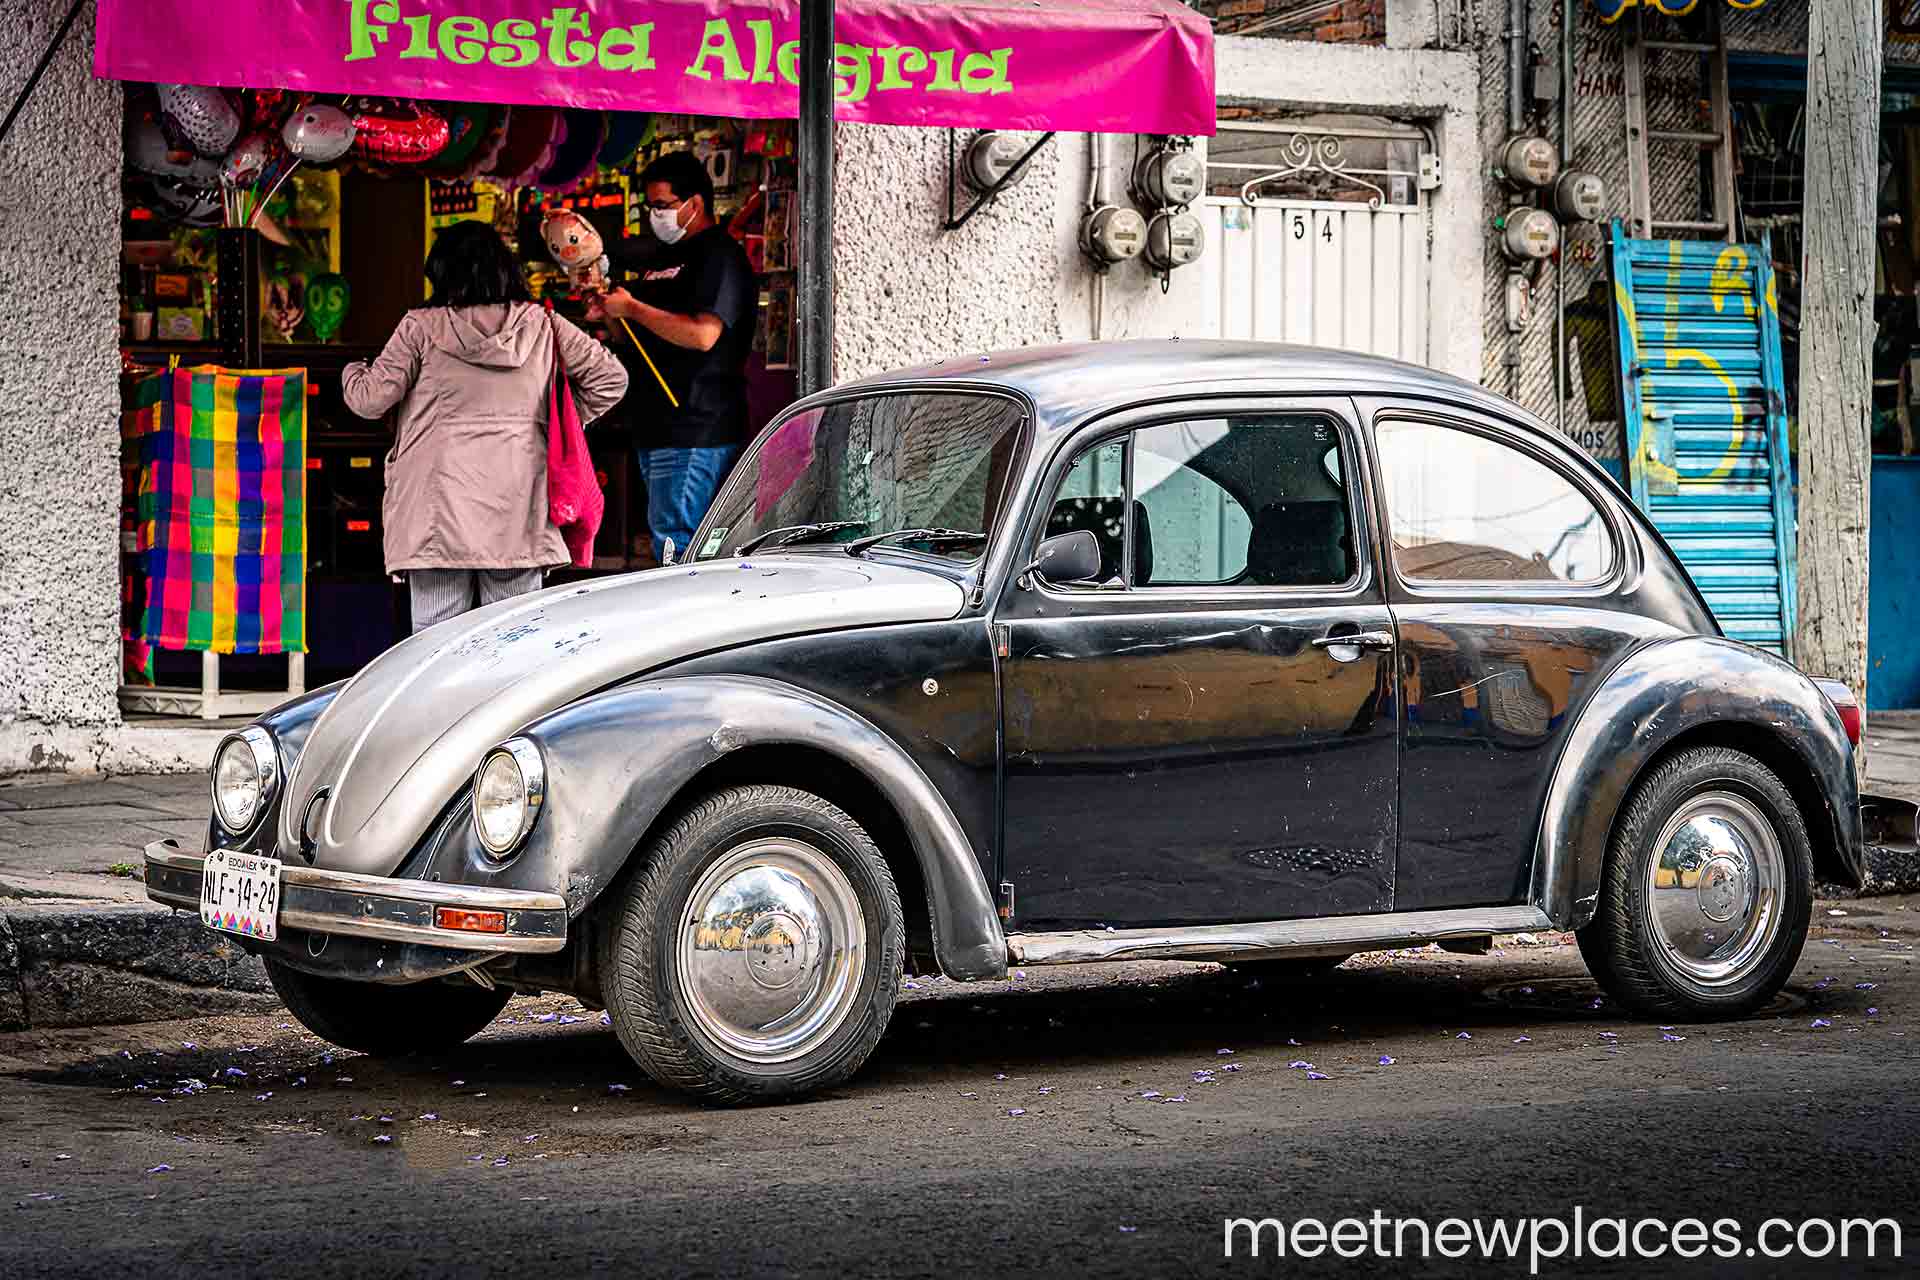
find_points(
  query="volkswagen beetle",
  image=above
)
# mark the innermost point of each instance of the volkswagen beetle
(1186, 650)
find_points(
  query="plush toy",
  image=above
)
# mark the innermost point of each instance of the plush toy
(576, 245)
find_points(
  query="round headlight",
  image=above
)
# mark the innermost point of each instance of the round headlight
(244, 771)
(507, 794)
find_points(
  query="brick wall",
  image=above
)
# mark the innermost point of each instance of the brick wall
(1330, 21)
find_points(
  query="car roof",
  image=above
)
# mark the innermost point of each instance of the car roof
(1070, 382)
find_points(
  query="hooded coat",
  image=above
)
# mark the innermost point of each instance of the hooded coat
(467, 474)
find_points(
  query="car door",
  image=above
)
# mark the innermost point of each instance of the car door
(1511, 589)
(1207, 733)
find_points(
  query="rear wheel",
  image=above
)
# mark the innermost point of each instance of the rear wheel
(755, 952)
(386, 1020)
(1707, 891)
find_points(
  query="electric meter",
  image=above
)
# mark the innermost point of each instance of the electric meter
(1166, 177)
(990, 157)
(1113, 233)
(1528, 160)
(1174, 240)
(1580, 196)
(1528, 235)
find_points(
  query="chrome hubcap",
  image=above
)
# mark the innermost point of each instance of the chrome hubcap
(1714, 891)
(770, 950)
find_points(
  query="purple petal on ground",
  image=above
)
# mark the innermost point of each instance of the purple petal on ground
(1016, 1111)
(188, 1044)
(1821, 1022)
(1464, 1035)
(1315, 1075)
(1387, 1059)
(1231, 1066)
(1523, 1039)
(1300, 1064)
(1671, 1038)
(1150, 1093)
(383, 1137)
(262, 1097)
(1526, 991)
(233, 1071)
(428, 1115)
(1221, 1053)
(619, 1088)
(1128, 1230)
(1865, 986)
(969, 1095)
(458, 1083)
(606, 1020)
(1047, 1089)
(1178, 1097)
(1000, 1075)
(501, 1163)
(343, 1079)
(161, 1168)
(1293, 1042)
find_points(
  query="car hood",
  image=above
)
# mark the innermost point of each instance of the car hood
(409, 731)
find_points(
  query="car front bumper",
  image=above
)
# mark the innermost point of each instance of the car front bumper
(377, 907)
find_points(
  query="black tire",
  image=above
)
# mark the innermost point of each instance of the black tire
(1626, 948)
(1288, 968)
(383, 1019)
(648, 997)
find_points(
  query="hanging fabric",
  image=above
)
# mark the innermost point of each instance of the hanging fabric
(1610, 10)
(222, 512)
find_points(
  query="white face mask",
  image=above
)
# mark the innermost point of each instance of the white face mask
(666, 224)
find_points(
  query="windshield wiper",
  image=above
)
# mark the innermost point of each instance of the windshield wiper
(935, 536)
(793, 533)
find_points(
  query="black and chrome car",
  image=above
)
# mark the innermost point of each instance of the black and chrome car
(1174, 650)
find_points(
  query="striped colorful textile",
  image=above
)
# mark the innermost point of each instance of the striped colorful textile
(1610, 10)
(223, 512)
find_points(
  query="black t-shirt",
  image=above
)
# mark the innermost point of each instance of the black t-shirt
(709, 273)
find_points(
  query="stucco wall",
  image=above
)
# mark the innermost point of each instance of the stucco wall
(59, 390)
(906, 292)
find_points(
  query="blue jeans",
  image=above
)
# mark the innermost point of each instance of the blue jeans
(681, 484)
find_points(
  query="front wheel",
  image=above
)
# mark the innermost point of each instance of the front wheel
(1707, 891)
(755, 952)
(384, 1019)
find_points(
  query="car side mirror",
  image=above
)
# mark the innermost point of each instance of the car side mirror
(1067, 557)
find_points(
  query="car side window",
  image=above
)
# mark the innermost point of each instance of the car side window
(1230, 502)
(1464, 507)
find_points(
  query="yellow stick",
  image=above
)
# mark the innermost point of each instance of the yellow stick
(671, 398)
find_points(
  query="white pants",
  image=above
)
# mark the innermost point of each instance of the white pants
(439, 594)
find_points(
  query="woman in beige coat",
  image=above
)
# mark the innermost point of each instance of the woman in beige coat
(466, 504)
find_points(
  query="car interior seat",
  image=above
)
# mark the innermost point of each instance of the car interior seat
(1300, 544)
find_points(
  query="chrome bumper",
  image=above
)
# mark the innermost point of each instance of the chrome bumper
(338, 902)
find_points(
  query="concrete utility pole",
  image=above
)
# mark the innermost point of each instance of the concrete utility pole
(1836, 337)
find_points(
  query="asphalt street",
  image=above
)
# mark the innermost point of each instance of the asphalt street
(1095, 1120)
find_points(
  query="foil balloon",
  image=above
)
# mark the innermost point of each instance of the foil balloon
(399, 133)
(249, 159)
(149, 152)
(201, 117)
(318, 133)
(327, 300)
(468, 126)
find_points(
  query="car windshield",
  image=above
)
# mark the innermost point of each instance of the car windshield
(909, 460)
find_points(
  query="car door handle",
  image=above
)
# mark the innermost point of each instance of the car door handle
(1376, 641)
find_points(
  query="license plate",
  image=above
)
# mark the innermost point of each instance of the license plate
(240, 893)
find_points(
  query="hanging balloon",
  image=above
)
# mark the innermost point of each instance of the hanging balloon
(318, 133)
(529, 134)
(249, 159)
(201, 117)
(487, 150)
(149, 152)
(400, 133)
(328, 297)
(582, 134)
(467, 127)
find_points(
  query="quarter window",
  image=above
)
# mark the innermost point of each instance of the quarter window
(1215, 502)
(1463, 507)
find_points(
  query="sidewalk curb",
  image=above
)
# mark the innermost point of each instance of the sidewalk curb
(99, 964)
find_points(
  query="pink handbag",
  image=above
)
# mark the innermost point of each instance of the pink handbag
(574, 500)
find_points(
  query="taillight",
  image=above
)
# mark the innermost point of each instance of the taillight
(1845, 703)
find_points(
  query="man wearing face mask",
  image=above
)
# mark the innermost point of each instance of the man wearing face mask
(691, 300)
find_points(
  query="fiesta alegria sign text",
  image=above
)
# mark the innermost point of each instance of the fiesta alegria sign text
(1115, 65)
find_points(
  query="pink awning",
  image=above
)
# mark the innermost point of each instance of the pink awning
(1122, 66)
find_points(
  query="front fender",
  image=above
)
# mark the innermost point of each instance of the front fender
(1654, 696)
(616, 760)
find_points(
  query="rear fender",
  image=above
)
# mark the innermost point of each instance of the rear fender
(1654, 697)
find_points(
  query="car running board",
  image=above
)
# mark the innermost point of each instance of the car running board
(1334, 935)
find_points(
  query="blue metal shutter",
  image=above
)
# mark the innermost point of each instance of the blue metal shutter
(1703, 406)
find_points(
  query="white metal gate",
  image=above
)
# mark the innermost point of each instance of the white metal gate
(1330, 273)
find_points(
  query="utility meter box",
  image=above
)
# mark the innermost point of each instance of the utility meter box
(1169, 177)
(1529, 235)
(1527, 161)
(1113, 233)
(991, 156)
(1174, 239)
(1580, 196)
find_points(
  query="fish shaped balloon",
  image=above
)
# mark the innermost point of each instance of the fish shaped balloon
(318, 133)
(200, 116)
(399, 133)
